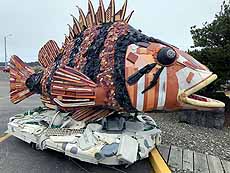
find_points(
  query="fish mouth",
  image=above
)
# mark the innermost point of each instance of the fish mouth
(189, 96)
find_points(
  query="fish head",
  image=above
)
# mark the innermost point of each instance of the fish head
(192, 76)
(173, 81)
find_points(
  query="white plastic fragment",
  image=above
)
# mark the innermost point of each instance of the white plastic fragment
(128, 148)
(61, 139)
(87, 140)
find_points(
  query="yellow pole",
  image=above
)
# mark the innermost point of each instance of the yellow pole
(4, 137)
(158, 163)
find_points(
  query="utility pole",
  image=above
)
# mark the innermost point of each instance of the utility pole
(5, 53)
(5, 37)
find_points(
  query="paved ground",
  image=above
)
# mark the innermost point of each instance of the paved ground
(18, 157)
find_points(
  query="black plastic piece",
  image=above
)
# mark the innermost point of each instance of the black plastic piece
(57, 63)
(44, 123)
(114, 124)
(154, 81)
(136, 76)
(76, 49)
(33, 82)
(92, 67)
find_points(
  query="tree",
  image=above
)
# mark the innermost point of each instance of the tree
(212, 47)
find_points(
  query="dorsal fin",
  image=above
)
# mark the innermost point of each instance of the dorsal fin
(100, 15)
(120, 15)
(48, 53)
(71, 32)
(76, 25)
(82, 19)
(129, 17)
(124, 7)
(66, 38)
(110, 12)
(91, 18)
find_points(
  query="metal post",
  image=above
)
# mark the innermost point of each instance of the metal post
(5, 37)
(5, 53)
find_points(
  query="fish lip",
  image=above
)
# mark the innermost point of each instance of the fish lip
(227, 93)
(210, 103)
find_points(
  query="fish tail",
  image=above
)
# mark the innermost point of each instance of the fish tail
(19, 73)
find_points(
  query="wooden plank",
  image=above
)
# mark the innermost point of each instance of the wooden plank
(158, 163)
(226, 166)
(164, 151)
(188, 160)
(200, 163)
(175, 158)
(214, 164)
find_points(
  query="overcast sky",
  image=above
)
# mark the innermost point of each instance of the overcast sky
(33, 22)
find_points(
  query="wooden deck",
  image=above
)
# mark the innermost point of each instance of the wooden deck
(190, 161)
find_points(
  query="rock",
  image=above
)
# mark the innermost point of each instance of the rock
(211, 119)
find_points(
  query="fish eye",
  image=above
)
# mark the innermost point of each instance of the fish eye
(166, 56)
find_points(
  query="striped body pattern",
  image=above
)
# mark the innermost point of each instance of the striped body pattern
(105, 65)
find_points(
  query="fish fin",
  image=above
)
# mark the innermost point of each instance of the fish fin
(124, 7)
(92, 19)
(129, 17)
(110, 12)
(48, 53)
(91, 16)
(76, 25)
(120, 15)
(100, 14)
(90, 114)
(19, 73)
(82, 19)
(71, 89)
(67, 39)
(71, 32)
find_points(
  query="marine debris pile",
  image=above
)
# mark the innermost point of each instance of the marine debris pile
(115, 140)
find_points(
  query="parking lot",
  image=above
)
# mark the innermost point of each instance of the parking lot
(18, 157)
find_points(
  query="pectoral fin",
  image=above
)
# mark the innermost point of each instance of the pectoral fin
(71, 89)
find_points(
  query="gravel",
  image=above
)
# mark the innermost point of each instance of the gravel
(204, 140)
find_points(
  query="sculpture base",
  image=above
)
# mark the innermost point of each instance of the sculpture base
(116, 140)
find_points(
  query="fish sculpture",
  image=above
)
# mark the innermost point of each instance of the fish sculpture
(106, 65)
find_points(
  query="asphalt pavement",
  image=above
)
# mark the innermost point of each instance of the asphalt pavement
(17, 156)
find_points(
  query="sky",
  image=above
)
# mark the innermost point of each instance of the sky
(33, 22)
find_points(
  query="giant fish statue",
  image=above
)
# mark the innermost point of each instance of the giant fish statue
(106, 65)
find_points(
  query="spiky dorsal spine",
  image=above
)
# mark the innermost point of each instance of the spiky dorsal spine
(71, 32)
(82, 18)
(129, 17)
(91, 17)
(76, 25)
(120, 15)
(110, 12)
(101, 16)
